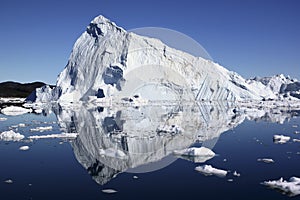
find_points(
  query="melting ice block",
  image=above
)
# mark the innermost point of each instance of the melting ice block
(291, 187)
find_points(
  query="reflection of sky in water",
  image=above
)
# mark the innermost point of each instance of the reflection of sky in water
(54, 172)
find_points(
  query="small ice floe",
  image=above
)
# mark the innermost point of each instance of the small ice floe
(109, 191)
(61, 135)
(209, 170)
(3, 119)
(15, 110)
(24, 148)
(135, 177)
(38, 111)
(280, 139)
(265, 160)
(114, 153)
(200, 154)
(8, 181)
(42, 128)
(169, 129)
(295, 126)
(296, 132)
(236, 174)
(296, 140)
(21, 125)
(230, 180)
(291, 187)
(11, 136)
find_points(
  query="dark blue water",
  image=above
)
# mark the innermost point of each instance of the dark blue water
(50, 169)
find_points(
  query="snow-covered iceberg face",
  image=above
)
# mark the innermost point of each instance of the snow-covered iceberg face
(110, 63)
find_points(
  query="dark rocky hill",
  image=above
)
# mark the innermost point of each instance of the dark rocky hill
(14, 89)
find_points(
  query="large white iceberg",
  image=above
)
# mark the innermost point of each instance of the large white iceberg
(209, 170)
(108, 61)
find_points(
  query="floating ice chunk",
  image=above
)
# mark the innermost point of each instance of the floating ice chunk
(42, 128)
(110, 152)
(295, 126)
(109, 191)
(291, 187)
(15, 110)
(296, 132)
(38, 111)
(61, 135)
(265, 160)
(21, 125)
(236, 174)
(296, 140)
(3, 119)
(280, 139)
(11, 136)
(135, 177)
(195, 151)
(8, 181)
(209, 170)
(24, 148)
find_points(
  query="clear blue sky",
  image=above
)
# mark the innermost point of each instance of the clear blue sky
(250, 37)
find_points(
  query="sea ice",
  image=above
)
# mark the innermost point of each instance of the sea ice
(291, 187)
(21, 125)
(42, 128)
(24, 148)
(209, 170)
(11, 136)
(266, 160)
(15, 110)
(9, 181)
(296, 140)
(280, 139)
(109, 191)
(61, 135)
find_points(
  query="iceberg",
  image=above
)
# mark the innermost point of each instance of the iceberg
(109, 63)
(291, 187)
(11, 136)
(195, 151)
(280, 139)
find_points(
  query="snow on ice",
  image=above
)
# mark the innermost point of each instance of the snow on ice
(265, 160)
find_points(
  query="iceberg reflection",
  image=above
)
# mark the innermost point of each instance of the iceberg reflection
(142, 139)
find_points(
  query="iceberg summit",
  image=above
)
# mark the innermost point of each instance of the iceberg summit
(109, 63)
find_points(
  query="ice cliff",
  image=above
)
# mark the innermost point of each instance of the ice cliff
(108, 62)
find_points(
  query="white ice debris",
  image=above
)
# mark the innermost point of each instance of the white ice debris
(11, 136)
(8, 181)
(195, 151)
(42, 128)
(3, 119)
(21, 125)
(15, 110)
(110, 152)
(209, 170)
(24, 148)
(265, 160)
(109, 191)
(296, 140)
(236, 174)
(61, 135)
(291, 187)
(280, 139)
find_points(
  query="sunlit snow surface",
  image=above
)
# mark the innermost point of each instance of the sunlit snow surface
(161, 145)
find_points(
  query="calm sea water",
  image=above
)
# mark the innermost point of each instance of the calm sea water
(138, 162)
